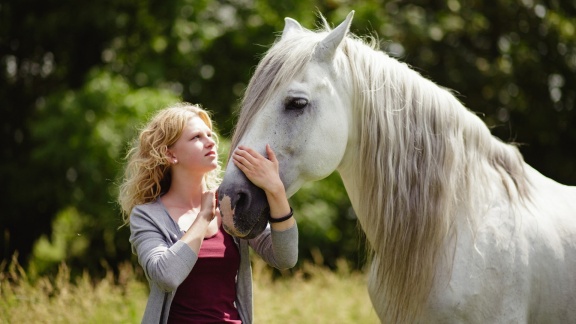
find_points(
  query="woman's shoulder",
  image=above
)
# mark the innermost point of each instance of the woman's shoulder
(147, 210)
(152, 205)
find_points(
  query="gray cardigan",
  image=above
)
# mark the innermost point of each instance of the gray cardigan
(167, 261)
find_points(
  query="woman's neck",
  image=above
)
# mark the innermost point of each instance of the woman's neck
(184, 192)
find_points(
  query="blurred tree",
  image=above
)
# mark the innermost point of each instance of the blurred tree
(82, 136)
(45, 47)
(76, 78)
(513, 62)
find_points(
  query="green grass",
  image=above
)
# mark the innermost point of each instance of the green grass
(311, 294)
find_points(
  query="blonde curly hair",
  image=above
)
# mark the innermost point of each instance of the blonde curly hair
(148, 169)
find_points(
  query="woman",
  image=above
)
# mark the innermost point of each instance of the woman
(196, 271)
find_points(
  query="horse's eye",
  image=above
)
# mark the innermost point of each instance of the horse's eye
(296, 103)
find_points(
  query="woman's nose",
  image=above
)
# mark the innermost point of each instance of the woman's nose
(210, 142)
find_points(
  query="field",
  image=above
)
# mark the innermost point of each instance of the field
(311, 294)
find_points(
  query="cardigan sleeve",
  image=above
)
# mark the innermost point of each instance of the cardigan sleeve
(166, 260)
(278, 248)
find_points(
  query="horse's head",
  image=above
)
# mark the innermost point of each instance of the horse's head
(298, 102)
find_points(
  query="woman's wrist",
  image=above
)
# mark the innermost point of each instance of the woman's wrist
(276, 191)
(206, 216)
(282, 218)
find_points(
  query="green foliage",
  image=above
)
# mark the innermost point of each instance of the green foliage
(82, 138)
(513, 62)
(327, 224)
(65, 243)
(77, 79)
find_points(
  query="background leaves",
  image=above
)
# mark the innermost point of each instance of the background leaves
(78, 78)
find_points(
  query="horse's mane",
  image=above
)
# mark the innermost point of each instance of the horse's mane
(422, 154)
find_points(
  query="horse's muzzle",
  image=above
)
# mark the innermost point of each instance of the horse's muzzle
(243, 207)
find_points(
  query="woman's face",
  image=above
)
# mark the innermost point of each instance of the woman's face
(195, 150)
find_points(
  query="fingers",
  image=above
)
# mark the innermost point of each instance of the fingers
(208, 195)
(208, 202)
(241, 156)
(246, 158)
(251, 155)
(271, 154)
(249, 160)
(261, 171)
(246, 152)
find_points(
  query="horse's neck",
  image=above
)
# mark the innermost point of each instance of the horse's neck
(355, 189)
(489, 193)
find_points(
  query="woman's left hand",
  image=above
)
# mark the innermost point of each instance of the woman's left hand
(261, 171)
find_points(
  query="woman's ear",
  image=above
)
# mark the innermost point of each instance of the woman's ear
(171, 157)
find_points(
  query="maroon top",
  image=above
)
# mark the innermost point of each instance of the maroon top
(207, 295)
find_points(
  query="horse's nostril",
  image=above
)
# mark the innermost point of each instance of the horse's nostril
(242, 202)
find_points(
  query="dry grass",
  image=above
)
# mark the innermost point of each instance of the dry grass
(312, 295)
(61, 300)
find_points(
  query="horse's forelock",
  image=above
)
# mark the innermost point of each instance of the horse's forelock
(281, 64)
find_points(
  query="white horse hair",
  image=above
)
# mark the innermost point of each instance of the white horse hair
(461, 229)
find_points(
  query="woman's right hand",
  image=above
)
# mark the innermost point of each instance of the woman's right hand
(208, 205)
(197, 231)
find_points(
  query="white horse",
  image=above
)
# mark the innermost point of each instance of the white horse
(461, 229)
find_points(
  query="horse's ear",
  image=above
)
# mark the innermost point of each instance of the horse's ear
(327, 47)
(290, 27)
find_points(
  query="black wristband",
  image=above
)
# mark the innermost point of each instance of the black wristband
(281, 219)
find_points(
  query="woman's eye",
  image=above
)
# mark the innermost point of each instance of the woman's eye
(296, 103)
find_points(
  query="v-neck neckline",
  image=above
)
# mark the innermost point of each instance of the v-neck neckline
(176, 226)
